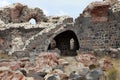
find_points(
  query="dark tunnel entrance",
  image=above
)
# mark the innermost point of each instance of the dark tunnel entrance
(66, 42)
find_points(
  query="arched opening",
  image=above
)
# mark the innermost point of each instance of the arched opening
(32, 21)
(66, 42)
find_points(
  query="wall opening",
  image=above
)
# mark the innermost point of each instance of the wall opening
(66, 42)
(32, 21)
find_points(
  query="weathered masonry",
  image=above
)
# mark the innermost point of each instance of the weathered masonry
(98, 27)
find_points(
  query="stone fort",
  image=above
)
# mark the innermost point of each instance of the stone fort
(97, 27)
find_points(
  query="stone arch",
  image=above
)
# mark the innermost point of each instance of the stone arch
(64, 43)
(35, 13)
(32, 16)
(35, 16)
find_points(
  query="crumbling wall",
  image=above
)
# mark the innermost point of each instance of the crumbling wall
(40, 41)
(13, 39)
(98, 11)
(99, 28)
(18, 13)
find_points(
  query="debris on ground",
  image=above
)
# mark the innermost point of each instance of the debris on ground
(48, 66)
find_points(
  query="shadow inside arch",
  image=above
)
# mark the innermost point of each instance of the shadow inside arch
(66, 42)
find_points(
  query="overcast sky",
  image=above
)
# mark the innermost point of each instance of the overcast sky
(54, 7)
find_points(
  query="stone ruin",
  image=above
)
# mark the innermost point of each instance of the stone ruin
(96, 29)
(36, 48)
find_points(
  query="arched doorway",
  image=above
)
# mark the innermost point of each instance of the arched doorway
(67, 43)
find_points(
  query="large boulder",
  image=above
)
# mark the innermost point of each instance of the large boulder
(21, 54)
(35, 75)
(76, 76)
(86, 59)
(45, 61)
(94, 74)
(105, 64)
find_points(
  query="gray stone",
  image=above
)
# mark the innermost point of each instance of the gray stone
(75, 76)
(94, 74)
(21, 54)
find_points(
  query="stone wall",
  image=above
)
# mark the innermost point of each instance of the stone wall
(103, 35)
(97, 27)
(28, 37)
(18, 13)
(13, 39)
(42, 39)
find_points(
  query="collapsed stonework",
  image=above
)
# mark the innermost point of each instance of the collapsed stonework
(95, 29)
(18, 13)
(33, 51)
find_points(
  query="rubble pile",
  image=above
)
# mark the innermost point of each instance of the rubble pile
(50, 66)
(89, 64)
(8, 74)
(97, 27)
(46, 60)
(105, 64)
(13, 65)
(19, 70)
(12, 71)
(86, 59)
(32, 51)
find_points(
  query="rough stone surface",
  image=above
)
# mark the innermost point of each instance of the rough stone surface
(13, 65)
(7, 74)
(106, 64)
(98, 11)
(111, 2)
(94, 74)
(96, 28)
(86, 59)
(18, 13)
(43, 69)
